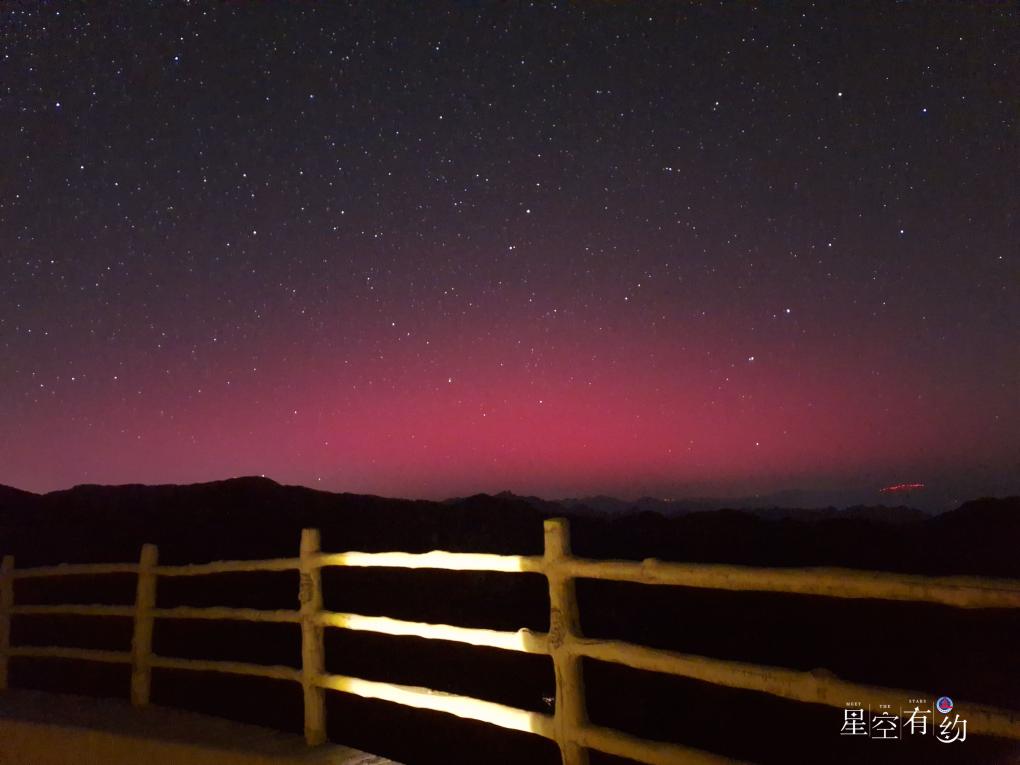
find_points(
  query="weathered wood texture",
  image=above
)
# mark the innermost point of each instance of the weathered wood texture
(438, 701)
(564, 627)
(141, 639)
(436, 559)
(313, 652)
(230, 567)
(524, 641)
(958, 591)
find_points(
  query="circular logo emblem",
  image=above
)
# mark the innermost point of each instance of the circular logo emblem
(944, 705)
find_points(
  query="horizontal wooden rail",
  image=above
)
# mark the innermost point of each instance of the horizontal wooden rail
(228, 614)
(74, 609)
(228, 567)
(959, 591)
(652, 752)
(523, 640)
(271, 671)
(68, 652)
(449, 561)
(180, 612)
(438, 701)
(76, 569)
(817, 687)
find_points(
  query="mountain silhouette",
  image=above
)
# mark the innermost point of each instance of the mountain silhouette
(256, 516)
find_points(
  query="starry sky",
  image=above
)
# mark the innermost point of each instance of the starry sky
(431, 249)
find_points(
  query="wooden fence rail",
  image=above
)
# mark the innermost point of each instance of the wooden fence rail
(568, 726)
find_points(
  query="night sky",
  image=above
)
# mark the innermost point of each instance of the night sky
(430, 249)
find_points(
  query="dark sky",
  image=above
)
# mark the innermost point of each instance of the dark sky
(427, 249)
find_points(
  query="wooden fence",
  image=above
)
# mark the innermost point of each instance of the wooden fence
(568, 726)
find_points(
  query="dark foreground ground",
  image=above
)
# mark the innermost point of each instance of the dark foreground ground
(966, 654)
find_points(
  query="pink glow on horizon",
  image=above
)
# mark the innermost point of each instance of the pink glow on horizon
(484, 412)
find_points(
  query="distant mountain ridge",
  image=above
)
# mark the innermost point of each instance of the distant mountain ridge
(783, 505)
(255, 517)
(790, 504)
(768, 507)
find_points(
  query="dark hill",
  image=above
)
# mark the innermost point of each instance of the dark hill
(248, 518)
(11, 497)
(257, 517)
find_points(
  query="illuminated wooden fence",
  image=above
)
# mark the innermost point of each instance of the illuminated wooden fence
(568, 726)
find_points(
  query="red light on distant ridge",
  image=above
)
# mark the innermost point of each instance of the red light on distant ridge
(901, 487)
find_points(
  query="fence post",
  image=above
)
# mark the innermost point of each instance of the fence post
(313, 659)
(141, 640)
(6, 604)
(564, 624)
